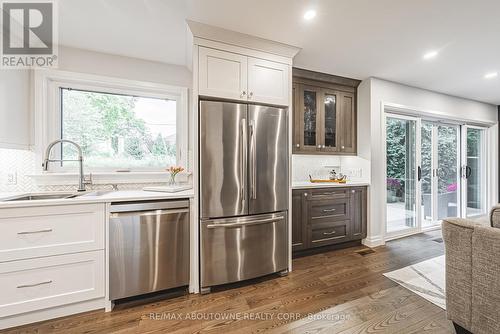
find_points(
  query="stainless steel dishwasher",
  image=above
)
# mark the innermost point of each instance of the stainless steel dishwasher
(148, 247)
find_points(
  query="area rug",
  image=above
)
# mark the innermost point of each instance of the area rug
(426, 279)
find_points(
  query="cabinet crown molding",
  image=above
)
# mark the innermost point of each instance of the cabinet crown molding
(324, 77)
(207, 32)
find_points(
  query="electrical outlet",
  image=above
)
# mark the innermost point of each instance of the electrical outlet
(11, 178)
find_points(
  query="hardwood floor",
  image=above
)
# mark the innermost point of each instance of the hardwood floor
(336, 292)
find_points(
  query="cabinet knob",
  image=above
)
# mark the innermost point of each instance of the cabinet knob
(243, 93)
(250, 95)
(297, 145)
(319, 146)
(323, 146)
(353, 191)
(343, 146)
(305, 194)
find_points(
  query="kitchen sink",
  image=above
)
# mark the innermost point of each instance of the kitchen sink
(36, 197)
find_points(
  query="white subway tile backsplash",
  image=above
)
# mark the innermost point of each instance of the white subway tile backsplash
(319, 167)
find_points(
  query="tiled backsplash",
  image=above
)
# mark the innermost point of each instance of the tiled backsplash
(22, 163)
(19, 164)
(319, 166)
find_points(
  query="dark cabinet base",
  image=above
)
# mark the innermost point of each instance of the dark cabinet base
(323, 249)
(328, 218)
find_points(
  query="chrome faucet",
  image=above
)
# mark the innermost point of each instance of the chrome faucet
(45, 165)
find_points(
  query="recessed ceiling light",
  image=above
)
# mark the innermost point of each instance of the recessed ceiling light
(310, 14)
(430, 54)
(491, 75)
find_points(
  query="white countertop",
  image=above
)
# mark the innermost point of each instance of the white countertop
(105, 197)
(307, 184)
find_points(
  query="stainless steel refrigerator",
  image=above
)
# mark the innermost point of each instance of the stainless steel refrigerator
(243, 191)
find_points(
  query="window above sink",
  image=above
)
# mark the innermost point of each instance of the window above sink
(121, 125)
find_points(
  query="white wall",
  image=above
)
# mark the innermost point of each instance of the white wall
(426, 103)
(85, 61)
(74, 60)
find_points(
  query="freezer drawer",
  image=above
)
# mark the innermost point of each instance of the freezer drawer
(241, 248)
(148, 250)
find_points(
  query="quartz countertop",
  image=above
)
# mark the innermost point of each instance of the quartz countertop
(100, 197)
(307, 184)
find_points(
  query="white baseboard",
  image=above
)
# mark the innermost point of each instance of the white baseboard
(373, 241)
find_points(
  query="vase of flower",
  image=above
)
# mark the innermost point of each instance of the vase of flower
(174, 170)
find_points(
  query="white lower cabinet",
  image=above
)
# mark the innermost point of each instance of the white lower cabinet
(52, 230)
(52, 262)
(35, 284)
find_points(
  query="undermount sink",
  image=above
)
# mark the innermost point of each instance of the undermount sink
(38, 197)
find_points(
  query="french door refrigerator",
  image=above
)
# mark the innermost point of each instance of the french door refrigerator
(243, 191)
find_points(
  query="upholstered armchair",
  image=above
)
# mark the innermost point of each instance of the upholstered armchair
(473, 273)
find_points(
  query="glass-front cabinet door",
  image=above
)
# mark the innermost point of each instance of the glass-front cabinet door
(309, 119)
(329, 116)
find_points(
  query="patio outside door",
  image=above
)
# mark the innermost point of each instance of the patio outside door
(434, 170)
(401, 149)
(440, 177)
(473, 171)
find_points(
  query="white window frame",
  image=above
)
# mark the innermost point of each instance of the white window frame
(47, 88)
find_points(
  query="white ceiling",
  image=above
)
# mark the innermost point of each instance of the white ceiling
(353, 38)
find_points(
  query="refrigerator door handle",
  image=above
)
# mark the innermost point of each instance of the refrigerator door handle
(243, 155)
(247, 223)
(253, 161)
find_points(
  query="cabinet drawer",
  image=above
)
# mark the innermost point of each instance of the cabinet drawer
(50, 230)
(327, 193)
(36, 284)
(329, 233)
(329, 209)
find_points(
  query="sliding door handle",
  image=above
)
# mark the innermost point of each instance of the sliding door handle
(419, 173)
(468, 172)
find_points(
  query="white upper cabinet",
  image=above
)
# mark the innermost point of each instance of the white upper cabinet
(267, 81)
(15, 122)
(222, 74)
(233, 76)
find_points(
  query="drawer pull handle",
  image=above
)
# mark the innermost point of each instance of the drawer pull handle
(329, 233)
(34, 232)
(33, 285)
(328, 194)
(329, 210)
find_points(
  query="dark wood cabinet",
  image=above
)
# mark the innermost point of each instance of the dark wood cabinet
(324, 112)
(328, 216)
(298, 234)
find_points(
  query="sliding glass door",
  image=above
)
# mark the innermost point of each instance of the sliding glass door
(473, 171)
(439, 172)
(401, 150)
(426, 173)
(447, 176)
(434, 170)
